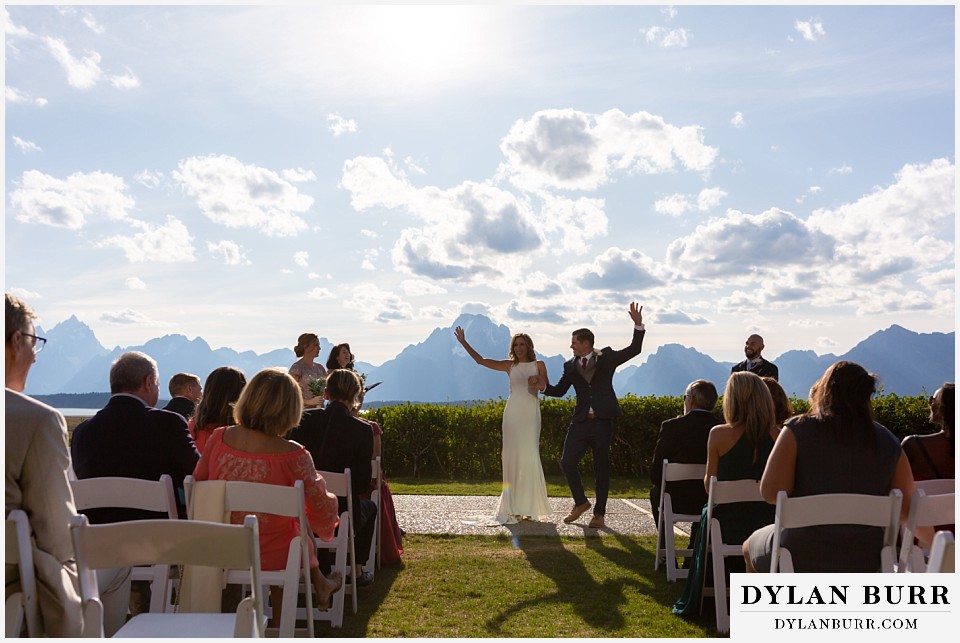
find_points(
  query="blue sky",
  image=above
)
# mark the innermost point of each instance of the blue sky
(246, 174)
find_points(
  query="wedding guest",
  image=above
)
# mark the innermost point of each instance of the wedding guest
(185, 394)
(255, 450)
(222, 390)
(932, 456)
(36, 463)
(836, 447)
(783, 409)
(340, 357)
(338, 441)
(305, 369)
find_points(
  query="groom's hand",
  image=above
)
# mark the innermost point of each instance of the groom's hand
(534, 381)
(636, 313)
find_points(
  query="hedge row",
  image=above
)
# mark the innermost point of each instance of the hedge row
(463, 442)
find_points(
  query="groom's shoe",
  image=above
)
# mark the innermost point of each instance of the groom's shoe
(576, 512)
(596, 522)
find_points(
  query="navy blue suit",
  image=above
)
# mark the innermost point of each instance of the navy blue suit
(594, 390)
(129, 439)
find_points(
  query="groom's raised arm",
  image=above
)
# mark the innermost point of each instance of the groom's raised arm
(636, 345)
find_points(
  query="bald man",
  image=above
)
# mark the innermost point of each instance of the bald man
(754, 362)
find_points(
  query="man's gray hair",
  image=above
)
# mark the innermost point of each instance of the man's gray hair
(703, 394)
(129, 370)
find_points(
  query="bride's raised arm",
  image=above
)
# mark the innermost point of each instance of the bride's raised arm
(495, 364)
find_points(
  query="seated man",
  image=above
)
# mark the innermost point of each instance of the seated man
(185, 393)
(131, 439)
(684, 440)
(338, 441)
(37, 459)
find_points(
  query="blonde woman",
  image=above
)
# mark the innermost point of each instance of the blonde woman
(305, 369)
(524, 488)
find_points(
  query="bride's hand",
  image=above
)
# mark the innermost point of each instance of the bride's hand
(460, 335)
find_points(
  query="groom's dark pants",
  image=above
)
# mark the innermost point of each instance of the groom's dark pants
(595, 435)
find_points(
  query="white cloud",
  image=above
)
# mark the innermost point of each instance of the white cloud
(573, 150)
(375, 304)
(148, 178)
(679, 317)
(14, 95)
(662, 37)
(826, 342)
(815, 189)
(623, 270)
(811, 30)
(476, 308)
(26, 146)
(529, 312)
(320, 293)
(539, 286)
(374, 181)
(436, 312)
(669, 11)
(339, 125)
(369, 260)
(128, 80)
(412, 287)
(67, 203)
(11, 29)
(809, 323)
(738, 245)
(135, 283)
(128, 316)
(167, 243)
(92, 24)
(369, 233)
(313, 275)
(23, 293)
(83, 72)
(677, 204)
(843, 169)
(237, 195)
(577, 221)
(737, 120)
(301, 258)
(298, 175)
(412, 166)
(229, 252)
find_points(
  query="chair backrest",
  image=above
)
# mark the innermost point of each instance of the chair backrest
(942, 554)
(19, 552)
(838, 509)
(127, 493)
(166, 542)
(925, 511)
(936, 486)
(673, 471)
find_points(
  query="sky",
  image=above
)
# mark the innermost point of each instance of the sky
(246, 174)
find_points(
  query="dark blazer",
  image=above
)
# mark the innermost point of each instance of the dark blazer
(182, 405)
(129, 439)
(684, 440)
(337, 440)
(762, 369)
(598, 393)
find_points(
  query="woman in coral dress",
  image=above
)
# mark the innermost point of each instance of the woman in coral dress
(254, 450)
(221, 391)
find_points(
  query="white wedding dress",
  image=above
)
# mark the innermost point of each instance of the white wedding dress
(524, 488)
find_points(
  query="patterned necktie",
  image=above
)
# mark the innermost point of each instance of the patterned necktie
(583, 362)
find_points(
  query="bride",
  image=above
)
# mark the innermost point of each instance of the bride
(524, 489)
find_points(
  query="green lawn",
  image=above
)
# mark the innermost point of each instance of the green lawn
(538, 586)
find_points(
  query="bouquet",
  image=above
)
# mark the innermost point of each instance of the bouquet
(317, 385)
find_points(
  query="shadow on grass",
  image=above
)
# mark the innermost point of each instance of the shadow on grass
(598, 603)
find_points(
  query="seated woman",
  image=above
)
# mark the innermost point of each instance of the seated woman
(255, 450)
(737, 450)
(304, 370)
(932, 456)
(836, 447)
(782, 408)
(221, 391)
(391, 544)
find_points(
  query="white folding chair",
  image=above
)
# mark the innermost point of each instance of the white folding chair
(672, 472)
(21, 605)
(942, 554)
(724, 492)
(373, 560)
(837, 509)
(131, 493)
(342, 546)
(936, 486)
(168, 542)
(925, 511)
(258, 498)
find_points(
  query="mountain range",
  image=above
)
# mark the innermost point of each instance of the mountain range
(439, 370)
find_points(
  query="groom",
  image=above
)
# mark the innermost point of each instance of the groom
(590, 373)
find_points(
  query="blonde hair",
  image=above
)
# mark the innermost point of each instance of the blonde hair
(343, 385)
(747, 402)
(526, 340)
(303, 342)
(271, 403)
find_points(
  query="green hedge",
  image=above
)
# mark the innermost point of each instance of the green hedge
(463, 442)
